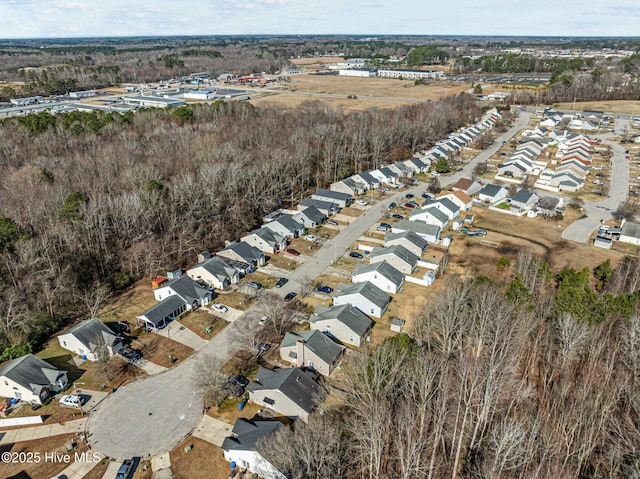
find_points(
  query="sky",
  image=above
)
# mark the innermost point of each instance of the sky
(92, 18)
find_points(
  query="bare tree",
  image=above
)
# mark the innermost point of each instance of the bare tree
(95, 297)
(209, 380)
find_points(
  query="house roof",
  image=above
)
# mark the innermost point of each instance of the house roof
(630, 229)
(365, 289)
(548, 202)
(247, 433)
(91, 330)
(445, 202)
(187, 288)
(463, 183)
(353, 184)
(320, 204)
(522, 196)
(317, 342)
(396, 250)
(298, 385)
(416, 227)
(462, 196)
(433, 211)
(246, 251)
(352, 318)
(288, 223)
(383, 269)
(410, 236)
(402, 167)
(268, 235)
(387, 172)
(314, 214)
(218, 268)
(336, 195)
(490, 189)
(30, 372)
(369, 178)
(157, 313)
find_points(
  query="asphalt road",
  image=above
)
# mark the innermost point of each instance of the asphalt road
(155, 413)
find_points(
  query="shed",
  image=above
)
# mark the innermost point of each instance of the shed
(397, 324)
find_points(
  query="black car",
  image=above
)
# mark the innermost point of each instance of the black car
(130, 354)
(355, 254)
(290, 296)
(331, 222)
(397, 216)
(254, 285)
(408, 196)
(238, 380)
(281, 282)
(392, 205)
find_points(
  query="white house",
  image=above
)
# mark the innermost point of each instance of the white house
(241, 447)
(349, 186)
(286, 226)
(186, 288)
(397, 256)
(345, 323)
(410, 240)
(459, 198)
(310, 217)
(244, 253)
(380, 274)
(492, 193)
(431, 233)
(266, 240)
(445, 205)
(341, 199)
(365, 296)
(385, 175)
(91, 339)
(368, 179)
(312, 349)
(430, 216)
(467, 185)
(630, 233)
(31, 379)
(215, 272)
(328, 208)
(524, 199)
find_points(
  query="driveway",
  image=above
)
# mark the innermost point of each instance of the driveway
(180, 333)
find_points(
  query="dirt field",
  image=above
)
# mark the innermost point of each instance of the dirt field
(631, 107)
(370, 92)
(204, 461)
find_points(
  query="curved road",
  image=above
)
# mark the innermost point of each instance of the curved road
(155, 413)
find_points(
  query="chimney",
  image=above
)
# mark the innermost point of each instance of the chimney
(300, 352)
(204, 256)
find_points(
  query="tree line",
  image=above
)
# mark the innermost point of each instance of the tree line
(90, 199)
(487, 384)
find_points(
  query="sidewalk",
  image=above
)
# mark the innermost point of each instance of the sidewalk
(212, 430)
(39, 432)
(149, 367)
(77, 470)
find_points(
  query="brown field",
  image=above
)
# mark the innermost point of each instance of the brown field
(204, 461)
(631, 107)
(157, 349)
(198, 321)
(316, 60)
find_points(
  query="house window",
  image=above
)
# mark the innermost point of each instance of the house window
(269, 401)
(311, 364)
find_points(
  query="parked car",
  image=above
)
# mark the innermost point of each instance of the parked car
(281, 282)
(126, 470)
(290, 296)
(383, 227)
(130, 354)
(397, 216)
(361, 203)
(220, 308)
(325, 289)
(331, 222)
(435, 174)
(238, 380)
(262, 346)
(235, 391)
(392, 205)
(264, 320)
(254, 285)
(408, 196)
(355, 254)
(293, 252)
(71, 400)
(310, 238)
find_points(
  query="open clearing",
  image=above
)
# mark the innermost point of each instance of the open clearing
(631, 107)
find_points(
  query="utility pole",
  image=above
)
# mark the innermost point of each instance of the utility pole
(75, 390)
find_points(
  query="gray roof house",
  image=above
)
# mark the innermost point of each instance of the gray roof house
(90, 339)
(410, 240)
(266, 240)
(241, 447)
(344, 323)
(162, 313)
(341, 199)
(215, 272)
(312, 349)
(186, 288)
(292, 392)
(381, 274)
(402, 170)
(310, 217)
(418, 165)
(524, 199)
(397, 256)
(431, 233)
(327, 207)
(286, 226)
(630, 233)
(365, 296)
(445, 205)
(492, 193)
(243, 252)
(368, 179)
(30, 379)
(385, 175)
(349, 186)
(430, 216)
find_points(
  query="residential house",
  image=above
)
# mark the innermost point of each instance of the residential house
(312, 349)
(341, 199)
(349, 186)
(345, 323)
(523, 199)
(215, 272)
(573, 166)
(418, 165)
(286, 226)
(630, 233)
(192, 293)
(385, 175)
(410, 240)
(243, 253)
(365, 296)
(445, 205)
(566, 181)
(431, 233)
(310, 217)
(402, 170)
(266, 240)
(367, 179)
(492, 193)
(397, 256)
(327, 208)
(292, 392)
(31, 379)
(467, 185)
(602, 242)
(549, 205)
(462, 200)
(91, 339)
(242, 447)
(380, 274)
(430, 216)
(161, 314)
(516, 167)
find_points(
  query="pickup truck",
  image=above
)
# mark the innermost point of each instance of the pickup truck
(126, 470)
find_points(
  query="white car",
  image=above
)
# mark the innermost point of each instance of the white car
(264, 320)
(435, 174)
(220, 308)
(71, 400)
(361, 203)
(310, 238)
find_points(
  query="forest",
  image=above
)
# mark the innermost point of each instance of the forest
(523, 383)
(92, 202)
